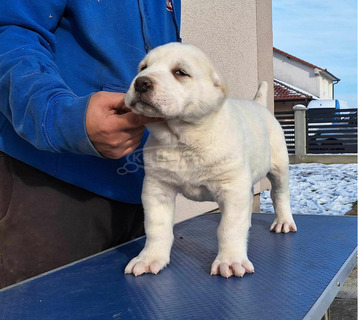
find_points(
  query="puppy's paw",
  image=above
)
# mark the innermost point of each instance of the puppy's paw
(231, 267)
(146, 264)
(283, 226)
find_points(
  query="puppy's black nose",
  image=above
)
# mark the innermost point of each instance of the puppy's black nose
(143, 84)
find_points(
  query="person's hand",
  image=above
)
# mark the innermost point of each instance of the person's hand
(113, 129)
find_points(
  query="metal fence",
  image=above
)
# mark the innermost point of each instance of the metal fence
(286, 120)
(332, 131)
(329, 131)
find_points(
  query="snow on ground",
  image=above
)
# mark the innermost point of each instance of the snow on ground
(319, 189)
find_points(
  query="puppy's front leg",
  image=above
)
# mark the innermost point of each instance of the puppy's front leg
(159, 206)
(236, 204)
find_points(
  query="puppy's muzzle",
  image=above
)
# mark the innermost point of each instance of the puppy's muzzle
(143, 84)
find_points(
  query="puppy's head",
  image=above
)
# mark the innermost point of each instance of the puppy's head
(176, 81)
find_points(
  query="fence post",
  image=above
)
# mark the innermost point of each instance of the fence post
(300, 129)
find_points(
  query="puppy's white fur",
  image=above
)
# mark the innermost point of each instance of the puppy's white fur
(208, 148)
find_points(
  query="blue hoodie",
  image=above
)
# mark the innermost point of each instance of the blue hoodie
(53, 55)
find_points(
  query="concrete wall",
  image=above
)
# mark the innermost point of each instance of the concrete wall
(324, 158)
(237, 36)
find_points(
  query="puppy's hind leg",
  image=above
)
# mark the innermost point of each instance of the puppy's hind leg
(279, 178)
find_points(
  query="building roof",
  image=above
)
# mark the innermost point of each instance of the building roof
(325, 71)
(285, 92)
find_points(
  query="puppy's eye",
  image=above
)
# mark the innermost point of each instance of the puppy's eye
(181, 73)
(143, 67)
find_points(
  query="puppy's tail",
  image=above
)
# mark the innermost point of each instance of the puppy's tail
(261, 95)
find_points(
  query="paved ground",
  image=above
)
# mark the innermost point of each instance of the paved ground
(345, 305)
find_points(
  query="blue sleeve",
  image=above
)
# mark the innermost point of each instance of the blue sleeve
(33, 96)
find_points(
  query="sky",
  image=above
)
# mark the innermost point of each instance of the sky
(323, 33)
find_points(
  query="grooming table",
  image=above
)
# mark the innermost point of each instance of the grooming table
(297, 276)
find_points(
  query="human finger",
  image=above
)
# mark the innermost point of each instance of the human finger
(131, 120)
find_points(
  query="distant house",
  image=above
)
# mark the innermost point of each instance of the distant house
(286, 96)
(297, 81)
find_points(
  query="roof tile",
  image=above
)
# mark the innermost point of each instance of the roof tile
(284, 92)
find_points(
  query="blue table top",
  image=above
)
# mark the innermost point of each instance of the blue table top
(292, 271)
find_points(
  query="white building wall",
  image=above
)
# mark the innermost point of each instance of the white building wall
(295, 73)
(326, 88)
(302, 76)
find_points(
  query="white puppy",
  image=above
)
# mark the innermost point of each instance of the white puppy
(209, 148)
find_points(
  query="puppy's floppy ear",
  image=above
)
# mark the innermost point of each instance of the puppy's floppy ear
(219, 83)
